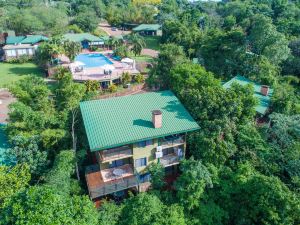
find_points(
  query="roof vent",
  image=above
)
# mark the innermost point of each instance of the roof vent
(264, 90)
(157, 118)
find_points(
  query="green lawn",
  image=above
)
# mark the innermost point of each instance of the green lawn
(152, 42)
(10, 73)
(142, 58)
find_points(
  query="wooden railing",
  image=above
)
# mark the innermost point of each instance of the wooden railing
(106, 189)
(171, 143)
(114, 154)
(170, 159)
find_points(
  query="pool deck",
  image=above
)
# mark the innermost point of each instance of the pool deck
(97, 73)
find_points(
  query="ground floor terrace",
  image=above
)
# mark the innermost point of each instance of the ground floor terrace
(102, 67)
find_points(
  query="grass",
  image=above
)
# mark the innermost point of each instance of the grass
(10, 73)
(142, 58)
(152, 42)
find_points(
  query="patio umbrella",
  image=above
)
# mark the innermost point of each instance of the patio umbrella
(127, 60)
(108, 67)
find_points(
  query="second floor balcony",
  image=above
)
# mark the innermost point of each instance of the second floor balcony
(172, 142)
(115, 153)
(169, 160)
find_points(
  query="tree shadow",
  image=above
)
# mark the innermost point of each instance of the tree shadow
(143, 123)
(20, 71)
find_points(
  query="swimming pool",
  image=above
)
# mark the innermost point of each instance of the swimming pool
(93, 60)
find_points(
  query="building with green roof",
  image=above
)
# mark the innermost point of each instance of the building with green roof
(262, 92)
(85, 39)
(127, 134)
(17, 46)
(148, 29)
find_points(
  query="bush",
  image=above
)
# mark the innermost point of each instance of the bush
(112, 88)
(22, 59)
(75, 29)
(139, 78)
(98, 32)
(126, 78)
(93, 48)
(92, 85)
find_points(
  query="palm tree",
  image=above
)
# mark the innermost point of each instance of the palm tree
(114, 42)
(138, 43)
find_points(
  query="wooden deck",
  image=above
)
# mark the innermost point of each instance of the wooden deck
(103, 182)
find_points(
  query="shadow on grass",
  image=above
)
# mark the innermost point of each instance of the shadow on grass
(20, 71)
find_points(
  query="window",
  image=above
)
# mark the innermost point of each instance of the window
(30, 52)
(11, 52)
(22, 52)
(145, 143)
(142, 144)
(149, 142)
(117, 163)
(144, 177)
(140, 162)
(168, 151)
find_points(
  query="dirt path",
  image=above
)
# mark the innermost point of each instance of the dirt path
(107, 28)
(5, 99)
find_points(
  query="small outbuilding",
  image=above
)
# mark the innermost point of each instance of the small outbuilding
(148, 29)
(86, 40)
(17, 46)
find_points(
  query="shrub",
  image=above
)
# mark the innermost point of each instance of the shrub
(112, 88)
(126, 78)
(93, 48)
(91, 85)
(22, 59)
(98, 32)
(139, 78)
(74, 28)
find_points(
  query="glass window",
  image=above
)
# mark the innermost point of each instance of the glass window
(22, 52)
(149, 142)
(142, 144)
(144, 177)
(117, 163)
(30, 52)
(141, 162)
(145, 143)
(11, 52)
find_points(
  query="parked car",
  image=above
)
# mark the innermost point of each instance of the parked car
(114, 29)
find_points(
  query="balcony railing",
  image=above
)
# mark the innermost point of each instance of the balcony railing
(170, 159)
(172, 143)
(103, 182)
(116, 153)
(112, 188)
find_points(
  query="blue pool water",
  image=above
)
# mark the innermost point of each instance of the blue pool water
(93, 60)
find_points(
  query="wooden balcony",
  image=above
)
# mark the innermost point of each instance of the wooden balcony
(104, 182)
(115, 154)
(172, 143)
(169, 160)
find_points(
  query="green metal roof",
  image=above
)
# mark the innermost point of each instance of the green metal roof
(264, 101)
(147, 27)
(123, 120)
(33, 39)
(30, 39)
(11, 40)
(81, 37)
